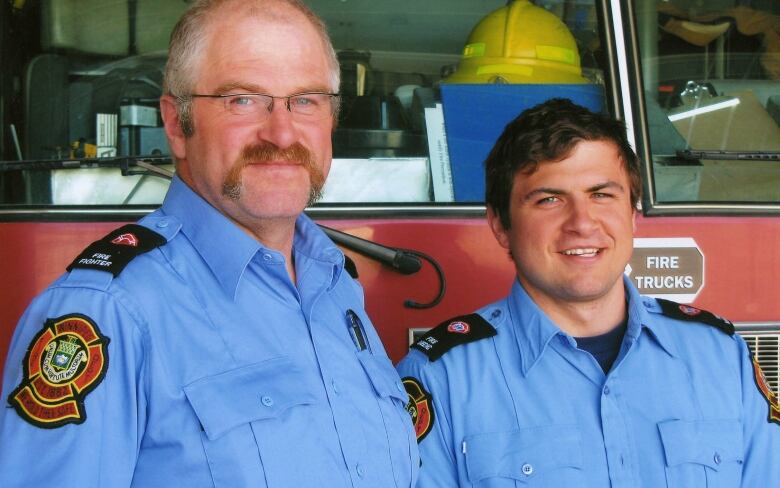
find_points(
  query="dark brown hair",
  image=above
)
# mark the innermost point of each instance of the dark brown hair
(548, 133)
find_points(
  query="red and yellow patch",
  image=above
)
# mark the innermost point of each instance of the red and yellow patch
(66, 360)
(763, 386)
(420, 407)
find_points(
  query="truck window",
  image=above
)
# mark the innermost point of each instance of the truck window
(426, 89)
(710, 73)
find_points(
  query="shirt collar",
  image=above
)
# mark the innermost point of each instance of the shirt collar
(534, 330)
(227, 249)
(310, 242)
(640, 318)
(224, 246)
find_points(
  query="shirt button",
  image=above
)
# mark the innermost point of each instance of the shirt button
(361, 471)
(267, 257)
(162, 224)
(606, 390)
(717, 458)
(528, 470)
(335, 387)
(267, 401)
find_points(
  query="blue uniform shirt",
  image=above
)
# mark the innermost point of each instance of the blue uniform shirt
(679, 408)
(220, 372)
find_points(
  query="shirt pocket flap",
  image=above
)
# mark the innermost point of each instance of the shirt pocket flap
(383, 376)
(709, 443)
(242, 395)
(522, 454)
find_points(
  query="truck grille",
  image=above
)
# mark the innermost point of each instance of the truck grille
(764, 342)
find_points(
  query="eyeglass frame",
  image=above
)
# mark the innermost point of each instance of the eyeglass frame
(335, 99)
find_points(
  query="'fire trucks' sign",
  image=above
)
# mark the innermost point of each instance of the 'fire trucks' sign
(671, 268)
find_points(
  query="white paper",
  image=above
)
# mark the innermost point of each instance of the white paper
(441, 171)
(378, 180)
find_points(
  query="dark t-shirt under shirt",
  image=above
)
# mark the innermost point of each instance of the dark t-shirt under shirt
(604, 347)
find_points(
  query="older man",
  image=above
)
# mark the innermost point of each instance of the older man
(575, 379)
(220, 341)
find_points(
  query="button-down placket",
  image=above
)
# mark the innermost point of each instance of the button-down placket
(327, 335)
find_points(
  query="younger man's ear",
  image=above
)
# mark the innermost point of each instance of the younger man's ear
(501, 234)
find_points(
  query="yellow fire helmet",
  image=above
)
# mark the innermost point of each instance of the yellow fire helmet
(519, 43)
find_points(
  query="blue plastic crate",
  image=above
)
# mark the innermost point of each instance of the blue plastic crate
(475, 116)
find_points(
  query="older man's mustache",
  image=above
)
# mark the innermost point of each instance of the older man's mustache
(265, 153)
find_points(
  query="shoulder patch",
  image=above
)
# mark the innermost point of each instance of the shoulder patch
(766, 391)
(113, 252)
(420, 407)
(66, 360)
(454, 332)
(693, 314)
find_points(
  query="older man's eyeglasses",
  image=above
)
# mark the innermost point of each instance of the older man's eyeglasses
(303, 106)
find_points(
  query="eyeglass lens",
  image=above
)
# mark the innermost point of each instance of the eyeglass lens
(309, 105)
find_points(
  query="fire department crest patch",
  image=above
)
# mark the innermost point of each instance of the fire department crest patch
(66, 360)
(420, 407)
(688, 310)
(459, 327)
(766, 391)
(126, 239)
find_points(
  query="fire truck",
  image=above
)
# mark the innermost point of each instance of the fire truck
(426, 89)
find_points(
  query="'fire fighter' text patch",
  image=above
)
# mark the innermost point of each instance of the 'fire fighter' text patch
(66, 360)
(114, 251)
(420, 407)
(453, 332)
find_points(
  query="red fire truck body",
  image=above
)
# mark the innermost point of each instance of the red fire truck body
(696, 86)
(740, 272)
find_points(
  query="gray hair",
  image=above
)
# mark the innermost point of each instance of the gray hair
(187, 42)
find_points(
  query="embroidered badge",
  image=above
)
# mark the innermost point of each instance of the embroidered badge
(127, 239)
(66, 360)
(420, 407)
(766, 391)
(688, 310)
(458, 327)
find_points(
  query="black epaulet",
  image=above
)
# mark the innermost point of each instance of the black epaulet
(692, 314)
(114, 251)
(350, 266)
(453, 332)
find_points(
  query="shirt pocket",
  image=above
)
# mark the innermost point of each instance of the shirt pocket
(537, 456)
(392, 400)
(384, 378)
(227, 403)
(704, 453)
